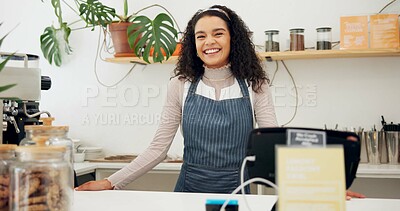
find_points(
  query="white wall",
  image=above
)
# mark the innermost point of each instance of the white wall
(348, 92)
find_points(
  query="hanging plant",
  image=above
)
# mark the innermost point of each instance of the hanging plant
(159, 33)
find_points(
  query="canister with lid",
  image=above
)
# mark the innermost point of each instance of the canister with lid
(41, 135)
(7, 157)
(297, 39)
(271, 40)
(57, 136)
(324, 38)
(40, 179)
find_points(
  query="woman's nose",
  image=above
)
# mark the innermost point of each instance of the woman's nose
(210, 40)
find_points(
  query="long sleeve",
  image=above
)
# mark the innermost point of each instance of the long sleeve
(157, 151)
(264, 107)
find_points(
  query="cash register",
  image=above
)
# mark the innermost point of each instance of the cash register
(262, 143)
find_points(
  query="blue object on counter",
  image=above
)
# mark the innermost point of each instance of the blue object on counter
(216, 204)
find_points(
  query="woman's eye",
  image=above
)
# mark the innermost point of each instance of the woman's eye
(219, 34)
(200, 37)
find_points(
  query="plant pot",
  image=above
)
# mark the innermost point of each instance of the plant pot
(176, 52)
(178, 49)
(119, 38)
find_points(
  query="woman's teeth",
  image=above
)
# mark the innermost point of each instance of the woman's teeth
(209, 51)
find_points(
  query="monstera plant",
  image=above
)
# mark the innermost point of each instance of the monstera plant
(159, 34)
(3, 64)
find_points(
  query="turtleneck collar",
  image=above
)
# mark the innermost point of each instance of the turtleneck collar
(218, 73)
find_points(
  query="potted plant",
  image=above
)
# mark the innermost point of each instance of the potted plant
(143, 33)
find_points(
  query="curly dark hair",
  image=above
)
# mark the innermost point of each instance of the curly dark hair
(245, 64)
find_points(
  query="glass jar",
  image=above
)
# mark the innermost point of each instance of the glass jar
(324, 38)
(40, 179)
(271, 40)
(7, 157)
(297, 39)
(57, 136)
(39, 135)
(251, 36)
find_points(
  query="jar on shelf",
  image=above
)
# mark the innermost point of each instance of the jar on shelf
(7, 157)
(40, 179)
(297, 39)
(324, 38)
(271, 40)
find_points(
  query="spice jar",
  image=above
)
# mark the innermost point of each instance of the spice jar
(324, 38)
(40, 179)
(271, 40)
(297, 39)
(7, 157)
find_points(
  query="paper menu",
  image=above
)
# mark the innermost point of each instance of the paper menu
(311, 178)
(384, 31)
(354, 32)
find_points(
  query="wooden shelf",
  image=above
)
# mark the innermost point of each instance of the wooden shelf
(324, 54)
(171, 60)
(288, 55)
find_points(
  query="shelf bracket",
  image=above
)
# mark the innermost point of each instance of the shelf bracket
(269, 59)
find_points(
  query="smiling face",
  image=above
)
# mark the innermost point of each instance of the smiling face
(212, 41)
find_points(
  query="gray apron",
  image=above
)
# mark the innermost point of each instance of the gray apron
(215, 139)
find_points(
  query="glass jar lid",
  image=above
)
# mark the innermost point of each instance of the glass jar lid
(47, 121)
(7, 152)
(273, 31)
(296, 30)
(40, 149)
(46, 128)
(7, 147)
(324, 29)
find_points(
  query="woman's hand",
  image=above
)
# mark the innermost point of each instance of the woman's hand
(95, 185)
(351, 194)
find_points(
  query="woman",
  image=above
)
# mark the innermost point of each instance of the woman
(222, 73)
(220, 91)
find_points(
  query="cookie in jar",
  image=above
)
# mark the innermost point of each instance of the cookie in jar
(7, 157)
(40, 179)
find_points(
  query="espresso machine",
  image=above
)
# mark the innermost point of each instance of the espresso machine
(19, 105)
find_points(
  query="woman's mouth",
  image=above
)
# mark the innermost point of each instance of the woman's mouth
(211, 51)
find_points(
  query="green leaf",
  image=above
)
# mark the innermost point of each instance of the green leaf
(3, 63)
(159, 34)
(4, 88)
(4, 37)
(51, 45)
(57, 9)
(67, 32)
(125, 8)
(94, 13)
(1, 40)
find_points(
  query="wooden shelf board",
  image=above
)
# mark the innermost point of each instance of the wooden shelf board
(288, 55)
(171, 60)
(321, 54)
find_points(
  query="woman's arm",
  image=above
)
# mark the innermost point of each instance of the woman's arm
(156, 152)
(264, 107)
